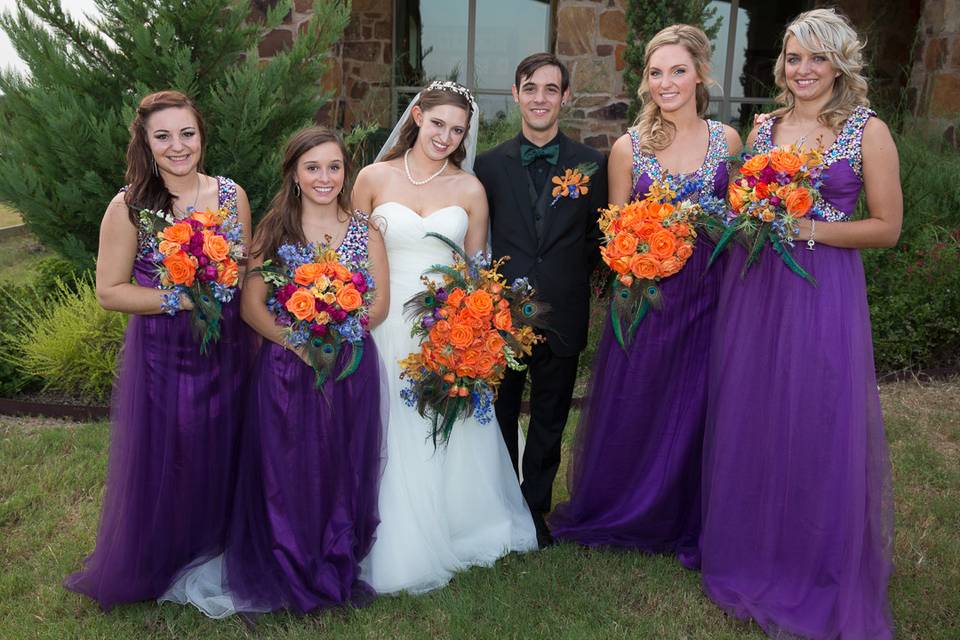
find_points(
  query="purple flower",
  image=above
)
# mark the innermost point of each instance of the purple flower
(338, 315)
(318, 329)
(359, 282)
(442, 294)
(427, 322)
(284, 293)
(210, 273)
(775, 201)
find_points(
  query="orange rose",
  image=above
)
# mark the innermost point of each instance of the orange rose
(341, 272)
(662, 244)
(784, 192)
(206, 218)
(754, 165)
(670, 266)
(647, 229)
(681, 229)
(785, 162)
(215, 246)
(644, 266)
(502, 320)
(471, 357)
(442, 327)
(626, 280)
(684, 250)
(799, 203)
(620, 265)
(168, 248)
(461, 336)
(180, 233)
(479, 303)
(455, 297)
(302, 305)
(229, 274)
(349, 298)
(737, 196)
(182, 268)
(626, 244)
(494, 343)
(767, 215)
(485, 364)
(307, 274)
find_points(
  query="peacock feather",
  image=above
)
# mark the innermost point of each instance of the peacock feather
(205, 317)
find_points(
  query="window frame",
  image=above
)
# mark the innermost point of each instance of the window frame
(471, 84)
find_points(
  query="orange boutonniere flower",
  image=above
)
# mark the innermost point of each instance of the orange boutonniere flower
(573, 183)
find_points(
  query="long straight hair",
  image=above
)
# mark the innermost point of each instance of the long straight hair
(283, 221)
(145, 188)
(656, 132)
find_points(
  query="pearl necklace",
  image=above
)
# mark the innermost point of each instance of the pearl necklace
(406, 169)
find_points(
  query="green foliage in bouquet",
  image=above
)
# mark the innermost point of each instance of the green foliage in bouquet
(64, 132)
(66, 339)
(644, 19)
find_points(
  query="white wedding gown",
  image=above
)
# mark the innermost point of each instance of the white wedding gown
(441, 510)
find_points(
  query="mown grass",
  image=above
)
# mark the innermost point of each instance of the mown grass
(8, 216)
(19, 257)
(51, 478)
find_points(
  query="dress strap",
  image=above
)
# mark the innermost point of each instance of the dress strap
(637, 154)
(717, 153)
(354, 244)
(227, 194)
(849, 143)
(764, 140)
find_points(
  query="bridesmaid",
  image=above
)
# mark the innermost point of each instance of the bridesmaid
(798, 521)
(305, 509)
(176, 412)
(635, 472)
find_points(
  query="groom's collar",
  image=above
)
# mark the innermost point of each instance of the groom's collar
(513, 149)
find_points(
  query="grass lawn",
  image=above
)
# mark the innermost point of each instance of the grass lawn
(19, 256)
(51, 478)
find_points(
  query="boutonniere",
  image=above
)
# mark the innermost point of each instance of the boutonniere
(573, 183)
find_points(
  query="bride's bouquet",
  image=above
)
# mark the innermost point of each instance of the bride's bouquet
(323, 302)
(472, 326)
(197, 256)
(774, 190)
(644, 242)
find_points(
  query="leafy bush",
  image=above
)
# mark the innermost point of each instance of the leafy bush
(67, 340)
(84, 84)
(914, 288)
(13, 379)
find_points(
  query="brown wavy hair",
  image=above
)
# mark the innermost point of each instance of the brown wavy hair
(655, 131)
(410, 130)
(145, 190)
(828, 32)
(283, 220)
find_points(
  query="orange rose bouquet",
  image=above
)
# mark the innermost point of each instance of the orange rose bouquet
(472, 326)
(774, 190)
(199, 256)
(323, 300)
(645, 241)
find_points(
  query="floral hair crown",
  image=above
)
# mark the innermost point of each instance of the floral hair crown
(449, 85)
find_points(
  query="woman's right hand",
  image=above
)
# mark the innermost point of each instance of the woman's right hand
(186, 304)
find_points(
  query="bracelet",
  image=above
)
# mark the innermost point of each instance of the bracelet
(170, 303)
(811, 243)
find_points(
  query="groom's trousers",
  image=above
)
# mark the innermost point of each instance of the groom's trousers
(552, 379)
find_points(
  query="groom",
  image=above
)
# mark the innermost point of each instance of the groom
(553, 241)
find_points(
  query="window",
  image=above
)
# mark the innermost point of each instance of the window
(744, 52)
(477, 43)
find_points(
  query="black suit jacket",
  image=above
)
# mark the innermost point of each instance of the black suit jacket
(559, 262)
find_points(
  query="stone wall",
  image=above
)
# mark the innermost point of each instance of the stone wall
(590, 40)
(934, 87)
(360, 77)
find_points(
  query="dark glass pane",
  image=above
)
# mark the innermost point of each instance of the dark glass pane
(431, 41)
(507, 32)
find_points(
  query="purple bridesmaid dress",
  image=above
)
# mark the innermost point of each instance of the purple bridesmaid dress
(797, 518)
(171, 469)
(305, 511)
(635, 472)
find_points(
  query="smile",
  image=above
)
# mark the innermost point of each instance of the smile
(439, 146)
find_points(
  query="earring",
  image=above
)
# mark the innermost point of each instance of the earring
(296, 189)
(156, 170)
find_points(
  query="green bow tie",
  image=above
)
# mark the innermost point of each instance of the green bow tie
(529, 153)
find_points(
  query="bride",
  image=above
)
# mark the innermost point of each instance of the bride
(441, 510)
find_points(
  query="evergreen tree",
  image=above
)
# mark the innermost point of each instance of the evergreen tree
(644, 19)
(64, 126)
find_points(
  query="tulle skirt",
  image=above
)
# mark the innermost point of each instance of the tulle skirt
(634, 475)
(176, 416)
(305, 508)
(797, 521)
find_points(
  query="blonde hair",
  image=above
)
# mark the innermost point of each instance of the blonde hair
(656, 132)
(827, 32)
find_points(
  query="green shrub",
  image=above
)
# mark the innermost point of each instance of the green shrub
(13, 379)
(914, 288)
(68, 341)
(84, 83)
